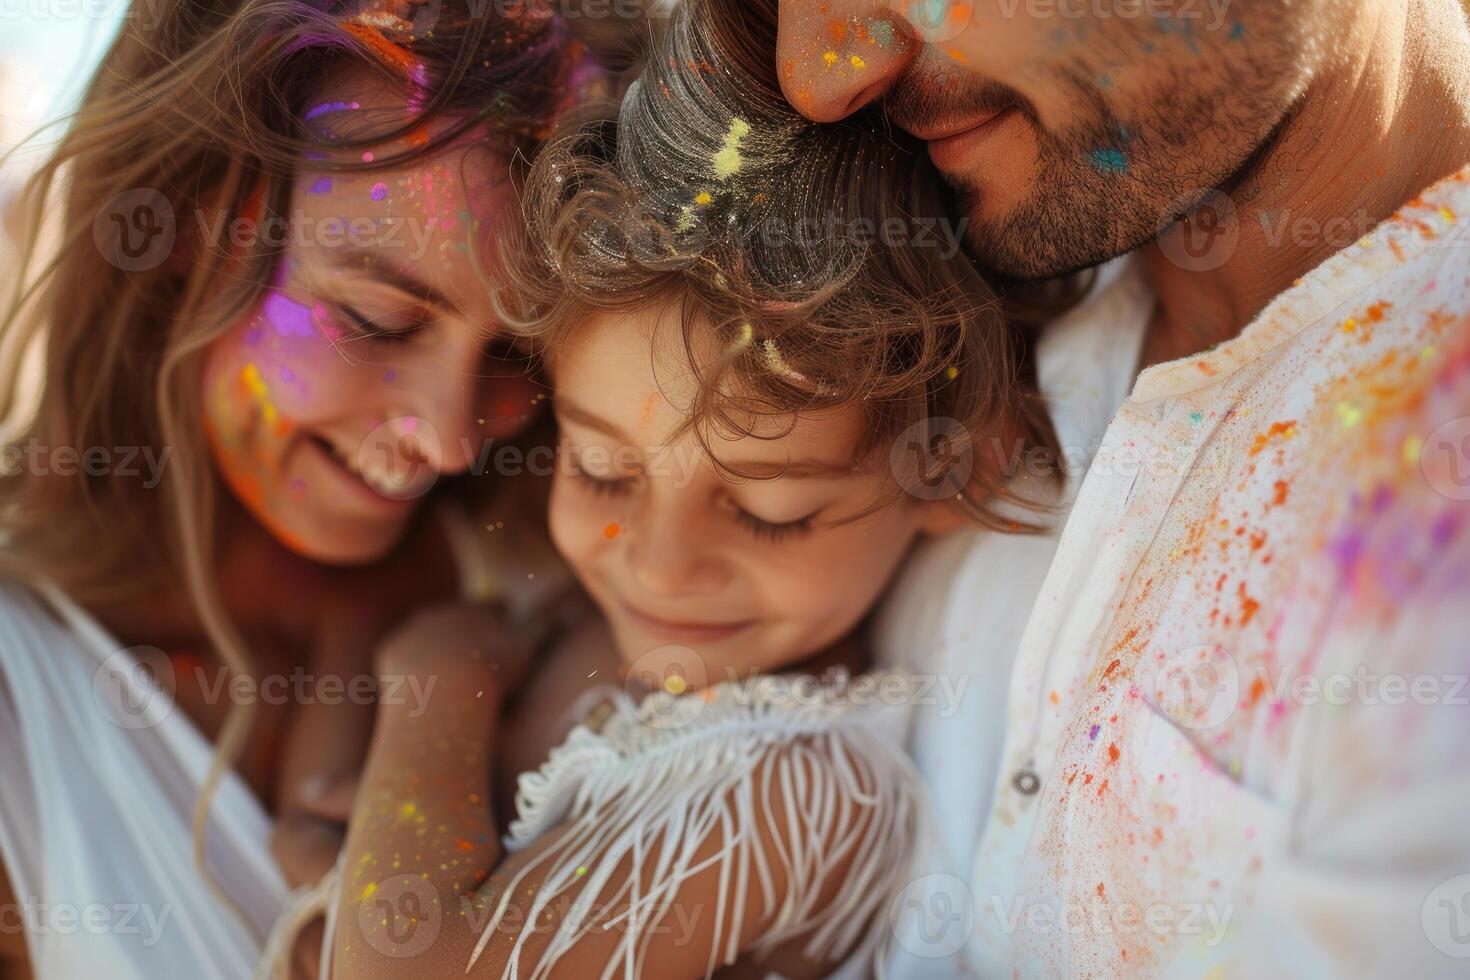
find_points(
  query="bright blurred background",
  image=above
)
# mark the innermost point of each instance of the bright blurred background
(48, 50)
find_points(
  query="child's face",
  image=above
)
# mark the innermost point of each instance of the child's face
(699, 572)
(364, 375)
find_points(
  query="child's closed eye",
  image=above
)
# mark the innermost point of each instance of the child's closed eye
(773, 531)
(607, 487)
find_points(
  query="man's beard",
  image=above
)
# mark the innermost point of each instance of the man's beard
(1103, 188)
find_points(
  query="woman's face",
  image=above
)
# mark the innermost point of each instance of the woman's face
(367, 372)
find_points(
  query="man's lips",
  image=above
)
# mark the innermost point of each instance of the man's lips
(685, 629)
(934, 132)
(958, 151)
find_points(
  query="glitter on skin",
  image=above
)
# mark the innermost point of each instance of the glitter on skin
(859, 64)
(830, 57)
(380, 191)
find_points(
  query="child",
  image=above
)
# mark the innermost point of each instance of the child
(752, 442)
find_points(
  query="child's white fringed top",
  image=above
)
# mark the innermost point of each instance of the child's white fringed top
(681, 771)
(649, 784)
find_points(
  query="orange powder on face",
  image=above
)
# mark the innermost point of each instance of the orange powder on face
(611, 531)
(649, 404)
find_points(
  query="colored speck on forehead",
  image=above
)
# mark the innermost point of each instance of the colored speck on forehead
(380, 191)
(859, 64)
(611, 531)
(830, 58)
(322, 185)
(1195, 418)
(1109, 160)
(1238, 31)
(881, 31)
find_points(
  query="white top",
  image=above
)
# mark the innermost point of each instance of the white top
(1240, 681)
(680, 770)
(98, 780)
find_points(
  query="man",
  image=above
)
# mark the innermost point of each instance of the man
(1234, 738)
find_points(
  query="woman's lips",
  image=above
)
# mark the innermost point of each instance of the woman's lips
(955, 150)
(361, 494)
(685, 629)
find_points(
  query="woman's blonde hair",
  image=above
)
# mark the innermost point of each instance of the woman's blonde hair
(197, 109)
(820, 256)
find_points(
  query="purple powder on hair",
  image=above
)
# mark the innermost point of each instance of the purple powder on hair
(328, 107)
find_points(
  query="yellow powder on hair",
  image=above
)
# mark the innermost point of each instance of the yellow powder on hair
(727, 160)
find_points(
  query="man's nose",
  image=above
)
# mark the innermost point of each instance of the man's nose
(835, 58)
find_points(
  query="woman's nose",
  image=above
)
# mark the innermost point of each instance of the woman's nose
(445, 395)
(835, 58)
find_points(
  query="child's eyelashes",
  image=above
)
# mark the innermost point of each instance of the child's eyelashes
(759, 528)
(601, 485)
(770, 530)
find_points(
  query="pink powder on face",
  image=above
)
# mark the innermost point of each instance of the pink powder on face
(380, 191)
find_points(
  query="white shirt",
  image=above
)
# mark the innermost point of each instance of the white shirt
(98, 776)
(1286, 510)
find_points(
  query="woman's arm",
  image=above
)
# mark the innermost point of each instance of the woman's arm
(425, 874)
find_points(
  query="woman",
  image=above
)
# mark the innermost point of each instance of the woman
(269, 337)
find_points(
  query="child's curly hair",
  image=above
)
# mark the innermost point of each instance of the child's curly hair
(819, 255)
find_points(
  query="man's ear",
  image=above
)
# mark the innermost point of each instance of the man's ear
(938, 518)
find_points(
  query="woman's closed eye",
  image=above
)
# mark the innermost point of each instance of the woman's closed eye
(382, 330)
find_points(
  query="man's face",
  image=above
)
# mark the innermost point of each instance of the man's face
(1072, 130)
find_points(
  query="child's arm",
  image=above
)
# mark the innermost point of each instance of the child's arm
(425, 872)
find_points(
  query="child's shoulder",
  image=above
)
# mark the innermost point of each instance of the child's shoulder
(802, 781)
